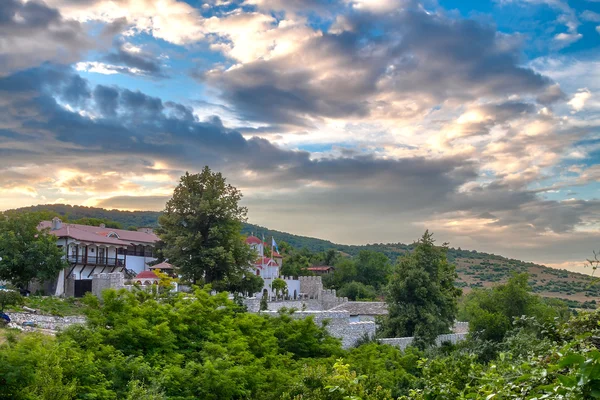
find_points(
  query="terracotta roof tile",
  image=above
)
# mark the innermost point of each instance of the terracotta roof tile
(97, 234)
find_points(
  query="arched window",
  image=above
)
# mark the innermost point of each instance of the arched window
(258, 272)
(295, 294)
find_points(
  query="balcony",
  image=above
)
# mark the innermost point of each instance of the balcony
(93, 260)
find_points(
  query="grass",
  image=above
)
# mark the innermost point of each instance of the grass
(53, 305)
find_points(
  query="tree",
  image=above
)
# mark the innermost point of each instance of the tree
(247, 285)
(200, 229)
(278, 285)
(27, 253)
(421, 297)
(9, 298)
(345, 272)
(341, 383)
(491, 312)
(372, 268)
(264, 306)
(295, 264)
(357, 291)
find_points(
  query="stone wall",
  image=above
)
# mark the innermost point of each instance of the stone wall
(404, 342)
(460, 327)
(103, 281)
(310, 305)
(311, 286)
(329, 298)
(338, 325)
(49, 322)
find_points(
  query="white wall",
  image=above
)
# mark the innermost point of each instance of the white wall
(138, 263)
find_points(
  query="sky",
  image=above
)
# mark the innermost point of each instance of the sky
(357, 121)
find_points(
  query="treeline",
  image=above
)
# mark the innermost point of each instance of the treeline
(81, 214)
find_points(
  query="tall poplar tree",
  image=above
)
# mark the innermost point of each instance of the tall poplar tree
(421, 296)
(200, 230)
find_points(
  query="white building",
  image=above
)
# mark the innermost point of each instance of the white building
(96, 249)
(269, 268)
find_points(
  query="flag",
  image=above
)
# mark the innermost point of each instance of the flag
(273, 244)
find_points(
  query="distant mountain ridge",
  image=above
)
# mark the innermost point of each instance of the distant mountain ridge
(475, 269)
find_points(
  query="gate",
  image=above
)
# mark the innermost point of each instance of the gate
(82, 286)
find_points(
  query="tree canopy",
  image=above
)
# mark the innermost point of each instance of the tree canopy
(200, 229)
(27, 253)
(421, 296)
(491, 312)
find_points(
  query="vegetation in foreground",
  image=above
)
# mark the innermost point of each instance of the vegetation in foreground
(166, 346)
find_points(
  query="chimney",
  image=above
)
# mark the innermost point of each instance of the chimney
(145, 229)
(56, 223)
(102, 226)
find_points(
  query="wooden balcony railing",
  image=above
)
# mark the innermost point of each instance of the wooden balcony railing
(94, 260)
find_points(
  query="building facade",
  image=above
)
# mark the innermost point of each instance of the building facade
(269, 269)
(93, 250)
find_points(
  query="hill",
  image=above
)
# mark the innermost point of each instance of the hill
(475, 269)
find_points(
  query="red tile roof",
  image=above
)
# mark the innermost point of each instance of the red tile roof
(320, 268)
(253, 240)
(162, 265)
(266, 261)
(96, 234)
(146, 275)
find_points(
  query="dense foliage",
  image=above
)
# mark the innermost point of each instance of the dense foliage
(9, 298)
(421, 296)
(491, 312)
(25, 252)
(163, 346)
(200, 230)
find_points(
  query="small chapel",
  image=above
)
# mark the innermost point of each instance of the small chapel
(268, 268)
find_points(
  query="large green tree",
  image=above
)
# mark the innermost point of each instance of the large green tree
(200, 229)
(490, 312)
(27, 253)
(421, 297)
(372, 268)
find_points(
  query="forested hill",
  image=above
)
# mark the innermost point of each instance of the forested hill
(126, 219)
(475, 269)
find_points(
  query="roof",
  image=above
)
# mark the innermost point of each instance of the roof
(320, 268)
(146, 275)
(253, 240)
(266, 261)
(96, 234)
(362, 308)
(162, 265)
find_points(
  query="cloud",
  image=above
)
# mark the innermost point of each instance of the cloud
(579, 99)
(33, 33)
(135, 60)
(170, 20)
(416, 61)
(590, 16)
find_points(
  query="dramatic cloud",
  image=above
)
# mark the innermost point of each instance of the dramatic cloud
(416, 61)
(357, 121)
(32, 33)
